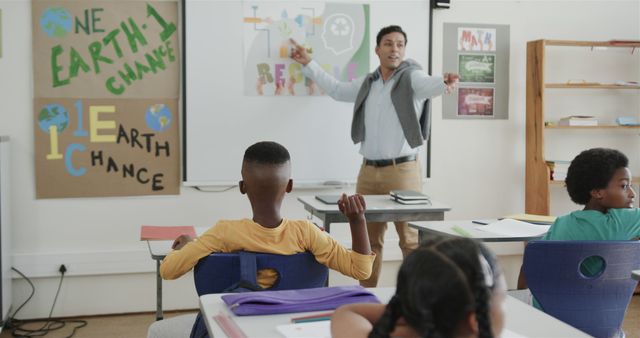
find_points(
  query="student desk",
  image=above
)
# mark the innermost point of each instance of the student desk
(520, 318)
(452, 228)
(380, 208)
(158, 250)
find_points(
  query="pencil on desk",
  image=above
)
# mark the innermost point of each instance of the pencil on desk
(460, 231)
(312, 318)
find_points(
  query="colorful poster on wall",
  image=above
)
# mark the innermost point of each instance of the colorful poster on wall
(476, 39)
(335, 34)
(106, 88)
(475, 101)
(479, 53)
(479, 68)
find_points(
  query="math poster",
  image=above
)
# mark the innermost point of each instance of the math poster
(335, 35)
(106, 88)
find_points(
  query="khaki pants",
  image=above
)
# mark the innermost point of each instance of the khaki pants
(379, 181)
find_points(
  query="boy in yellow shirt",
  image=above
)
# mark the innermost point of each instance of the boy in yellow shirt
(266, 177)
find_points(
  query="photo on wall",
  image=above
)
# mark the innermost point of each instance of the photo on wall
(475, 101)
(476, 68)
(479, 54)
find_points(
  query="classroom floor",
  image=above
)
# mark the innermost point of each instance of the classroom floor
(135, 326)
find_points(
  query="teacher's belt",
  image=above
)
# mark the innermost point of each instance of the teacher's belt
(384, 163)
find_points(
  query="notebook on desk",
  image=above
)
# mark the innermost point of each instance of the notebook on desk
(328, 199)
(409, 197)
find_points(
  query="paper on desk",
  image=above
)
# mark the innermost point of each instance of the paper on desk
(321, 329)
(515, 228)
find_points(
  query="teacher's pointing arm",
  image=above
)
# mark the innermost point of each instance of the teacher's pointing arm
(426, 86)
(338, 90)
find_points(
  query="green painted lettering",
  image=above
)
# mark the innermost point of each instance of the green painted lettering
(76, 63)
(167, 28)
(141, 69)
(133, 35)
(111, 38)
(156, 63)
(170, 54)
(94, 49)
(95, 19)
(56, 68)
(115, 90)
(129, 76)
(85, 27)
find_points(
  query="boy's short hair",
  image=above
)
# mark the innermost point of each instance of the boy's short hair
(267, 152)
(390, 29)
(592, 169)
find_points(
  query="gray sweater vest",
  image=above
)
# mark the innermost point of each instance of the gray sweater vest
(415, 129)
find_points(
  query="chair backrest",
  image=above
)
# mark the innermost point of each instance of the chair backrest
(596, 304)
(218, 271)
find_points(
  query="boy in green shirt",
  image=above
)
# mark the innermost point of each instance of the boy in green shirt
(599, 179)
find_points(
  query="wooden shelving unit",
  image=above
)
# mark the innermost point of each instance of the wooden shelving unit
(537, 181)
(604, 126)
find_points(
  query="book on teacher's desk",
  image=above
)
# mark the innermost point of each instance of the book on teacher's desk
(401, 201)
(409, 197)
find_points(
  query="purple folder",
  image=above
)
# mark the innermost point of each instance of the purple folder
(302, 300)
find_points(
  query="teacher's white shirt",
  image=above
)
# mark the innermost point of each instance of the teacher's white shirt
(384, 138)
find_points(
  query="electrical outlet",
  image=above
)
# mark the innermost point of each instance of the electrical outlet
(62, 269)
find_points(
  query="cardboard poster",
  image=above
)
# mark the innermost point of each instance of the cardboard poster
(335, 34)
(106, 88)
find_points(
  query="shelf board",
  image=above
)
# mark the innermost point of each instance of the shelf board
(592, 127)
(588, 86)
(634, 180)
(613, 43)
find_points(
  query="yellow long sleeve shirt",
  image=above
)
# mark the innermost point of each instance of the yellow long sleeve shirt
(288, 238)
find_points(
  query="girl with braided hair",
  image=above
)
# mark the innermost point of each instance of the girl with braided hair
(450, 287)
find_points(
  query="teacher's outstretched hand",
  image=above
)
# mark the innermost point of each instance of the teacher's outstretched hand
(299, 53)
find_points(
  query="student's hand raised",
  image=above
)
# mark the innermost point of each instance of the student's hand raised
(352, 207)
(299, 53)
(181, 241)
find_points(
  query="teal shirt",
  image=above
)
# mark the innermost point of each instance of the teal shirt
(616, 224)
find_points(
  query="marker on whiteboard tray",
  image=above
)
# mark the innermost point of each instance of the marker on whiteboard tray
(333, 183)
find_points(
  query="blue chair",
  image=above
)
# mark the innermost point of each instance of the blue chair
(594, 304)
(221, 272)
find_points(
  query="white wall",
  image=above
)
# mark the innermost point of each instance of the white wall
(478, 168)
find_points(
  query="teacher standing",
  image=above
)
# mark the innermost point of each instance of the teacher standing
(390, 121)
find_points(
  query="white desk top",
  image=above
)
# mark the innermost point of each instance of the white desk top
(521, 319)
(159, 249)
(376, 204)
(466, 229)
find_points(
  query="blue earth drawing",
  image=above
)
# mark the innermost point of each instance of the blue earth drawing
(53, 115)
(56, 22)
(158, 117)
